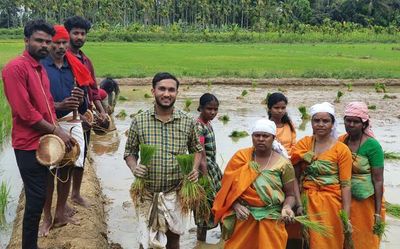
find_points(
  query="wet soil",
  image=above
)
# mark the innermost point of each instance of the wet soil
(91, 233)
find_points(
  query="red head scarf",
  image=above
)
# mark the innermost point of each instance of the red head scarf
(82, 75)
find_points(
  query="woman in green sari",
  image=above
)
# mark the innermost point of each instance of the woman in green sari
(367, 211)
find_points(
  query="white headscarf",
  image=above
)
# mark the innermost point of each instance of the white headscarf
(268, 126)
(329, 108)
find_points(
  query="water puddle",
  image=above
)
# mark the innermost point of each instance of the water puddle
(9, 172)
(116, 178)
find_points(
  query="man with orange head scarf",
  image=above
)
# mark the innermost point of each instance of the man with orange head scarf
(69, 80)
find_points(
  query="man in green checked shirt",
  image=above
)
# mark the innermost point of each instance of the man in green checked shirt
(173, 132)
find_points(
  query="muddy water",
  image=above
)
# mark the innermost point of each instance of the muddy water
(115, 177)
(9, 173)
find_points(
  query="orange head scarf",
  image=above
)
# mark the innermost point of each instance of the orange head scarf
(82, 75)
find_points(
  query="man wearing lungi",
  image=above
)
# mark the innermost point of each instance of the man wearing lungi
(69, 79)
(172, 132)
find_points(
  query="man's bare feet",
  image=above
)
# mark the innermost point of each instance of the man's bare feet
(69, 211)
(62, 221)
(80, 201)
(45, 227)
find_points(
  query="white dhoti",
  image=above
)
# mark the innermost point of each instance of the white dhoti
(157, 214)
(75, 129)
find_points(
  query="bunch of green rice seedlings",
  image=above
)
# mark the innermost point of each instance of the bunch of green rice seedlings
(188, 102)
(192, 196)
(122, 114)
(303, 111)
(147, 152)
(244, 93)
(206, 183)
(224, 119)
(349, 86)
(238, 134)
(379, 228)
(304, 230)
(147, 96)
(4, 200)
(122, 98)
(380, 87)
(306, 222)
(339, 94)
(347, 229)
(372, 107)
(391, 155)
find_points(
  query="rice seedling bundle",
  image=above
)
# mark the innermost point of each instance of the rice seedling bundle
(379, 228)
(192, 195)
(339, 94)
(303, 111)
(121, 114)
(122, 98)
(306, 223)
(4, 200)
(147, 96)
(347, 229)
(188, 102)
(224, 118)
(391, 155)
(146, 154)
(238, 134)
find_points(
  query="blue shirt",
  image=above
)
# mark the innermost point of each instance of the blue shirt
(61, 84)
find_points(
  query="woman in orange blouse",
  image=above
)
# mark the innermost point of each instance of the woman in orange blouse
(285, 131)
(323, 166)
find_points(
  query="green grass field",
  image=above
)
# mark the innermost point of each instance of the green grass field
(324, 60)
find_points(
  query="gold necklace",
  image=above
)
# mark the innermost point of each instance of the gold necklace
(269, 158)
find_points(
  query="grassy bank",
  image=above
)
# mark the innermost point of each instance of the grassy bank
(5, 117)
(324, 60)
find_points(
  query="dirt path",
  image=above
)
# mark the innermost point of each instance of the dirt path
(275, 82)
(90, 234)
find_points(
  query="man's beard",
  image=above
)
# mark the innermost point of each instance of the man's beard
(165, 106)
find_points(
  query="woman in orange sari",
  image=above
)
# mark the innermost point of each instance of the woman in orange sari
(257, 189)
(285, 131)
(367, 178)
(324, 165)
(286, 135)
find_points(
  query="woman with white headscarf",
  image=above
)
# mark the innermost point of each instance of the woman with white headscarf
(323, 168)
(257, 188)
(367, 179)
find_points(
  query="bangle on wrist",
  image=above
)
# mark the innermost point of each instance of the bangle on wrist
(377, 215)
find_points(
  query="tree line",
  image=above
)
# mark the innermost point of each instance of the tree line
(255, 15)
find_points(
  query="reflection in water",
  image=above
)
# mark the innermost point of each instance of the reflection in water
(105, 144)
(116, 178)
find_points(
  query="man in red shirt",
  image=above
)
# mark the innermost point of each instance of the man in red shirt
(78, 28)
(27, 89)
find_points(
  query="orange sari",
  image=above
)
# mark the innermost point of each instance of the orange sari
(286, 137)
(323, 176)
(237, 183)
(362, 215)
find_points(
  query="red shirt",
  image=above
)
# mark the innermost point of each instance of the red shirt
(27, 89)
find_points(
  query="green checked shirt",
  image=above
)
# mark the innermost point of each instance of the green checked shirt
(174, 137)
